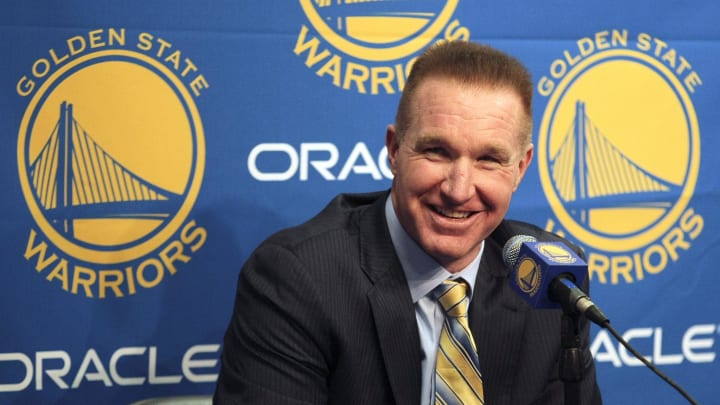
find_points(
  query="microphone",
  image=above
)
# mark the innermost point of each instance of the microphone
(547, 275)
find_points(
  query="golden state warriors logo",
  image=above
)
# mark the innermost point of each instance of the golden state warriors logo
(111, 155)
(619, 152)
(367, 45)
(555, 253)
(528, 276)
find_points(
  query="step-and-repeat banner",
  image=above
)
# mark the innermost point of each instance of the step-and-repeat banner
(148, 147)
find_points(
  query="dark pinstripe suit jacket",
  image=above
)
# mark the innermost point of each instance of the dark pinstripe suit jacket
(323, 315)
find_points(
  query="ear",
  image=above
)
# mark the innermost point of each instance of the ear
(523, 165)
(392, 145)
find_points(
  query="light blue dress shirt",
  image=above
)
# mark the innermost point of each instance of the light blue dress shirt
(423, 274)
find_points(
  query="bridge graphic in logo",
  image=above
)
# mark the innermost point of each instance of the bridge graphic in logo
(365, 23)
(590, 172)
(529, 277)
(74, 178)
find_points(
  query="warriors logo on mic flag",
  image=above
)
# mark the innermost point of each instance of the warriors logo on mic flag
(535, 266)
(547, 275)
(457, 375)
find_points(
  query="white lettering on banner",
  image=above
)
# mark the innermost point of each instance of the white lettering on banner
(695, 347)
(188, 363)
(26, 363)
(116, 356)
(100, 373)
(56, 365)
(54, 374)
(322, 157)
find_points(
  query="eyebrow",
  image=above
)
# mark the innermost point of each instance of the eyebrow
(425, 140)
(488, 149)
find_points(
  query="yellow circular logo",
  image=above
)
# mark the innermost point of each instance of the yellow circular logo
(619, 149)
(111, 156)
(555, 253)
(528, 276)
(369, 46)
(368, 31)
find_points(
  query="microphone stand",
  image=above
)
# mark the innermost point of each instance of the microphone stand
(571, 363)
(571, 369)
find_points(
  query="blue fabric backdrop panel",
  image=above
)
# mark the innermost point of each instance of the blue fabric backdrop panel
(150, 147)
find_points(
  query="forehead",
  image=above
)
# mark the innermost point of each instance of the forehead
(435, 89)
(442, 102)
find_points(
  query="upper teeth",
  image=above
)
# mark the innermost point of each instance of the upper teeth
(452, 214)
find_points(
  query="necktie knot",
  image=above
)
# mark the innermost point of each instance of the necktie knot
(452, 296)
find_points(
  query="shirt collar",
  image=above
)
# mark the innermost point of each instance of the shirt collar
(423, 273)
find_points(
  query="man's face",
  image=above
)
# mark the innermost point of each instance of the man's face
(457, 166)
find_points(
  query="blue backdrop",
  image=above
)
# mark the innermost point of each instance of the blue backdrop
(150, 146)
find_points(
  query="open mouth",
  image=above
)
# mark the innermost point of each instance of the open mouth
(452, 214)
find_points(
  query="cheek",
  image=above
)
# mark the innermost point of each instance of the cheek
(420, 175)
(496, 186)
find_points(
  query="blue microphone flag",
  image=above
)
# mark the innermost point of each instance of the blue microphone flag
(535, 265)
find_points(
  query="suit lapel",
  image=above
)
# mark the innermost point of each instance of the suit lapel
(497, 321)
(391, 306)
(497, 313)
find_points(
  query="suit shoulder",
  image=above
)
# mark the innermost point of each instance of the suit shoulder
(339, 216)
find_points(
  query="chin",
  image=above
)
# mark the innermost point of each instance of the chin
(452, 255)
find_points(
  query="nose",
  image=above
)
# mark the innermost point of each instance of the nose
(458, 186)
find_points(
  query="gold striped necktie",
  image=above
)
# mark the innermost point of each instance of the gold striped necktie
(457, 374)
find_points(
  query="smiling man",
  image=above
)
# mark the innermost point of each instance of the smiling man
(401, 297)
(456, 165)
